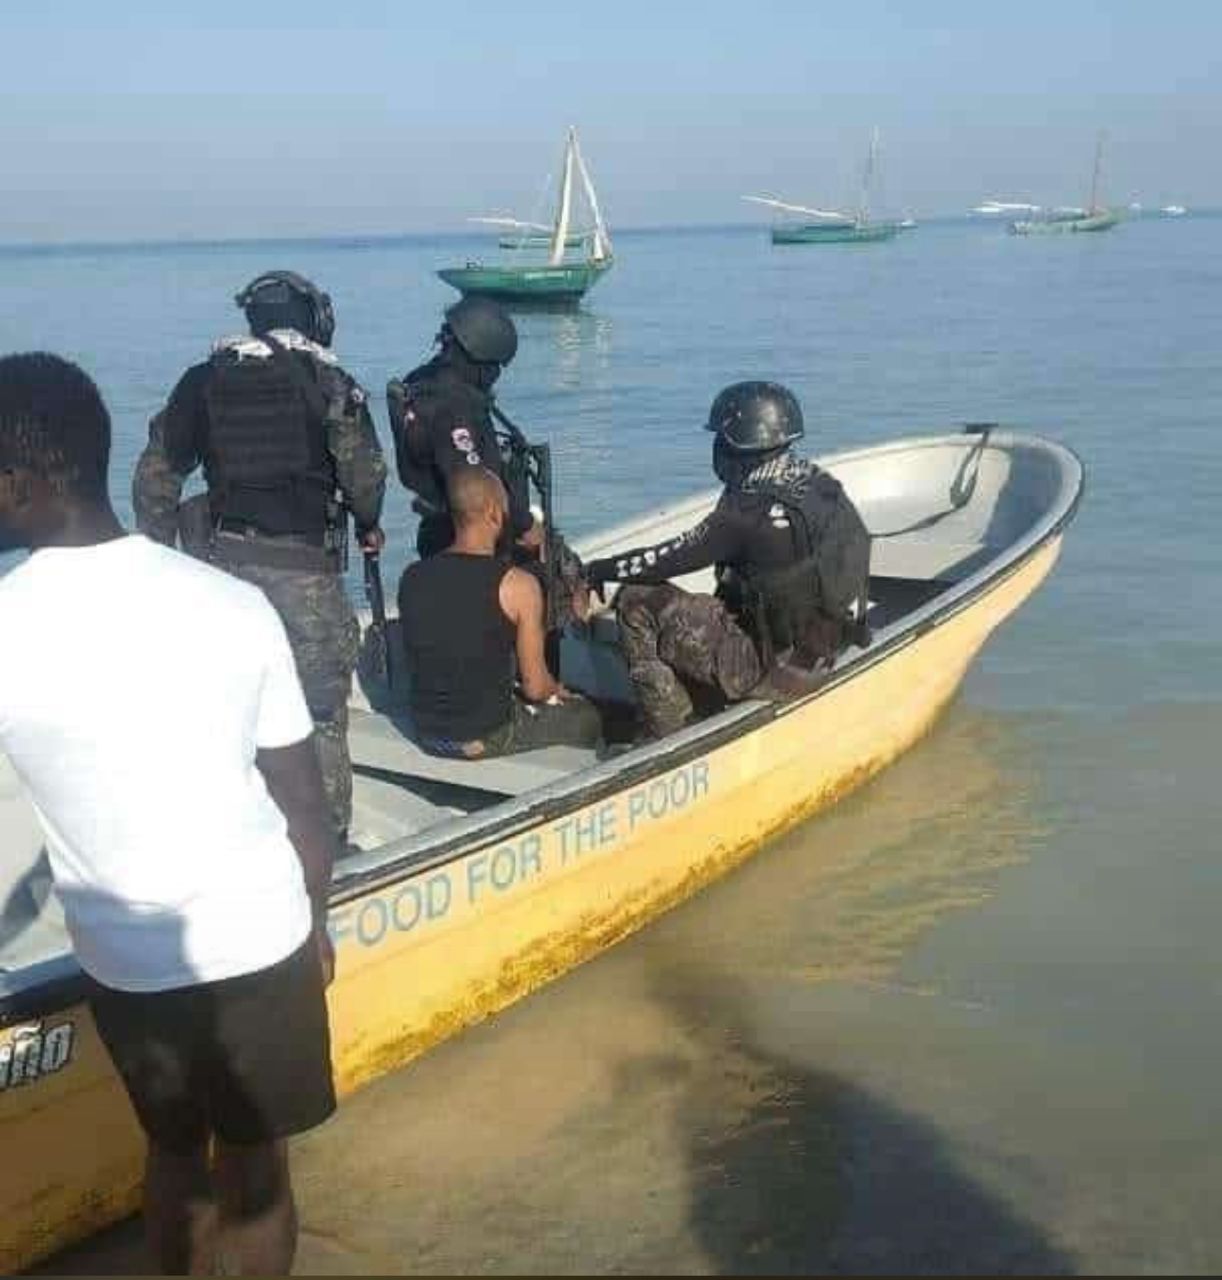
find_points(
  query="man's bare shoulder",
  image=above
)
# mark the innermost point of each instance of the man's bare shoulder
(520, 593)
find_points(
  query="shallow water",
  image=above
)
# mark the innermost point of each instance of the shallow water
(965, 1022)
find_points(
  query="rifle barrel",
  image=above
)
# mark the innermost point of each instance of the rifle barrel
(377, 608)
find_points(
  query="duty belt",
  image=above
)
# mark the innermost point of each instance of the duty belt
(238, 543)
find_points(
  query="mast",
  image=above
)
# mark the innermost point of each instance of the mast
(1093, 204)
(564, 212)
(600, 246)
(867, 179)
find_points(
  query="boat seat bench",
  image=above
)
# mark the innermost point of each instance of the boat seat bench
(383, 743)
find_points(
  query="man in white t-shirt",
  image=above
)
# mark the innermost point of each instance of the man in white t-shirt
(151, 707)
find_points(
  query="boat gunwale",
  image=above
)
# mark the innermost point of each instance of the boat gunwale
(415, 853)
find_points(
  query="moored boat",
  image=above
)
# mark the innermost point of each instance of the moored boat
(480, 880)
(565, 282)
(833, 233)
(555, 279)
(1069, 220)
(1066, 222)
(800, 224)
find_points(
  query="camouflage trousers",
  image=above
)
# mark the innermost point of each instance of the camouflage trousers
(325, 638)
(685, 654)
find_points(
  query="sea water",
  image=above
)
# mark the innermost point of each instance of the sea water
(968, 1021)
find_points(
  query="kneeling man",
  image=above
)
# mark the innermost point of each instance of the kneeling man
(466, 615)
(793, 569)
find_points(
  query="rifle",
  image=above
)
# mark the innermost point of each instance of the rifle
(377, 607)
(561, 566)
(337, 538)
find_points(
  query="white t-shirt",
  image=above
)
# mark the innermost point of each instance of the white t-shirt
(135, 686)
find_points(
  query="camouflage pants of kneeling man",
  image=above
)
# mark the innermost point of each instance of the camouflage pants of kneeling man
(685, 653)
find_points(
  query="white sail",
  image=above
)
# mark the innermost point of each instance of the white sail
(785, 207)
(600, 245)
(1006, 206)
(564, 212)
(512, 224)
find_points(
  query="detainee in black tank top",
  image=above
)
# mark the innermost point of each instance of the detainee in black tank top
(459, 645)
(470, 619)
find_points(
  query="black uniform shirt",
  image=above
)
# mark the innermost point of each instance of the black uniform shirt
(744, 529)
(447, 425)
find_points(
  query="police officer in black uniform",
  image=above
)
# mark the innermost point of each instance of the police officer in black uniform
(441, 419)
(792, 559)
(287, 446)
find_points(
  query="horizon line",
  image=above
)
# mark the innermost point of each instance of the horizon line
(392, 237)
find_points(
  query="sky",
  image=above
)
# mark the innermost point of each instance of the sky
(152, 119)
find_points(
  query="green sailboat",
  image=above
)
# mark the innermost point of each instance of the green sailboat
(1070, 221)
(801, 224)
(555, 278)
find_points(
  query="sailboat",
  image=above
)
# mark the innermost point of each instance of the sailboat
(1070, 218)
(557, 278)
(831, 226)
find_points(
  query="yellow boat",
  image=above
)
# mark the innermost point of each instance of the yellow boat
(480, 881)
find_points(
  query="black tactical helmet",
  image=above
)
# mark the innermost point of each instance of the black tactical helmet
(483, 330)
(756, 417)
(285, 300)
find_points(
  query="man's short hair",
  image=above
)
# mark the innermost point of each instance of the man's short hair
(53, 423)
(471, 491)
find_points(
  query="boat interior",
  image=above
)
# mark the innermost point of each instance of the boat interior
(947, 514)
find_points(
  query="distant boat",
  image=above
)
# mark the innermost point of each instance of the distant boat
(907, 224)
(555, 279)
(1070, 219)
(529, 235)
(1173, 210)
(996, 208)
(827, 226)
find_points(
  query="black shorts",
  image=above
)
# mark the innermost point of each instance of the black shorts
(247, 1058)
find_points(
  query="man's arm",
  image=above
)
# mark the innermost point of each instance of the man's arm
(714, 540)
(288, 759)
(521, 600)
(360, 468)
(294, 782)
(170, 456)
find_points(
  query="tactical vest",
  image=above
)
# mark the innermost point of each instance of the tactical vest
(816, 604)
(265, 455)
(413, 403)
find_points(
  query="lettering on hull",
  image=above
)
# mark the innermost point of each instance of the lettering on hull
(35, 1051)
(483, 877)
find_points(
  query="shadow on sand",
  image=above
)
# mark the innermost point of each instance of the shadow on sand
(821, 1178)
